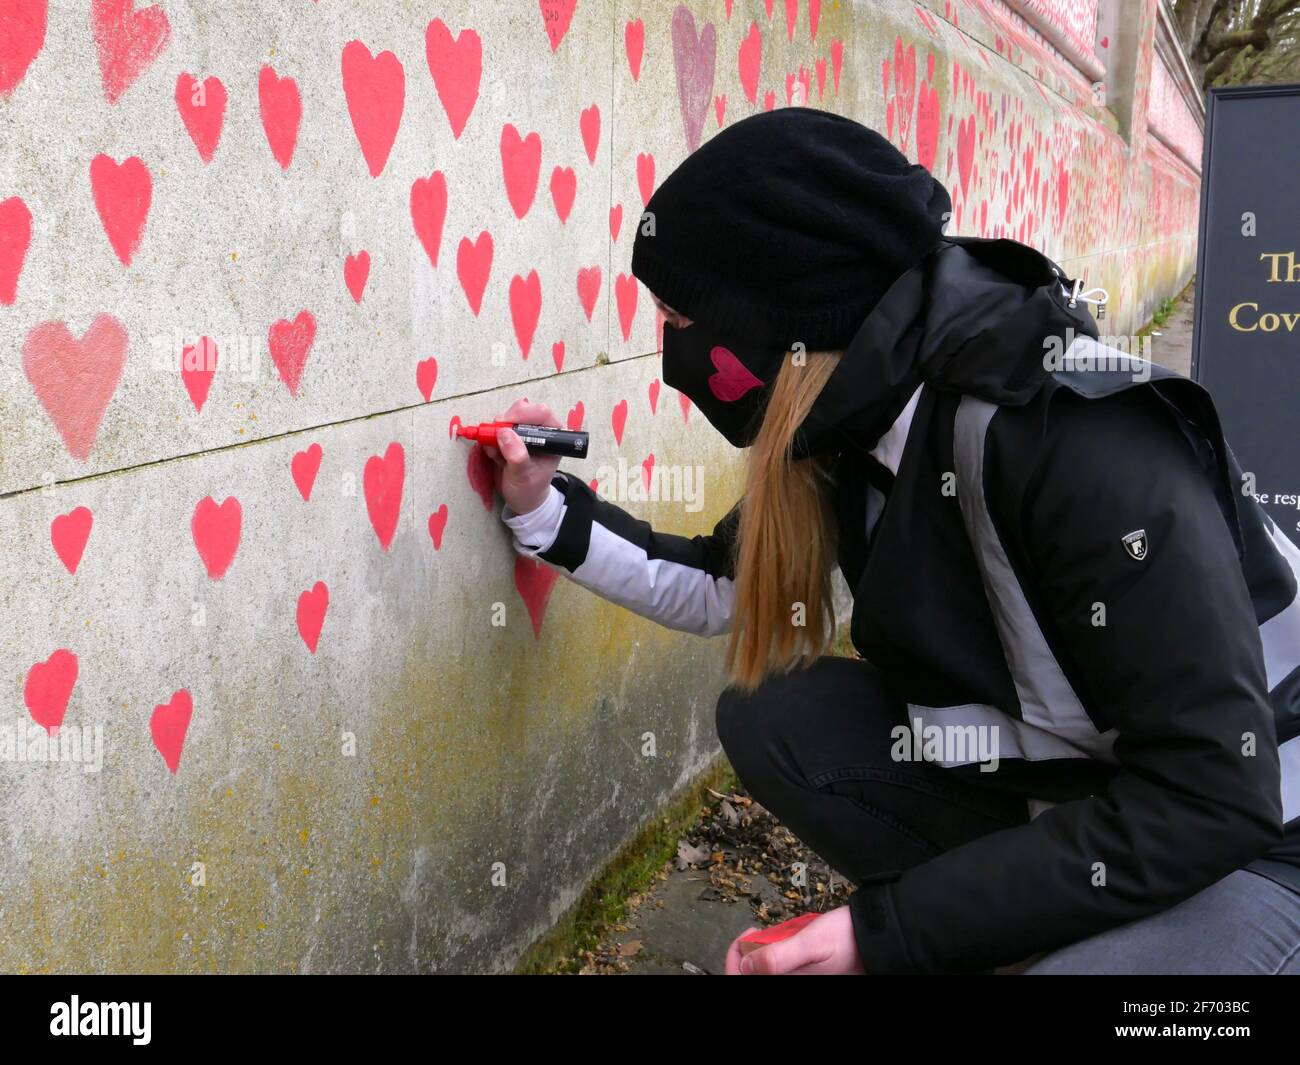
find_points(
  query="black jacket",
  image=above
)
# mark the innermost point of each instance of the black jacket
(1064, 554)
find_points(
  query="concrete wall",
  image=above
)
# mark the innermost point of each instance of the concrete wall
(425, 778)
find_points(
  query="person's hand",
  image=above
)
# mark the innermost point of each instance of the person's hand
(524, 480)
(826, 947)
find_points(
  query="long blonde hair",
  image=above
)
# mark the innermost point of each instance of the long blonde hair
(786, 543)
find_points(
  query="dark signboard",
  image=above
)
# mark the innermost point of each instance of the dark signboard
(1246, 339)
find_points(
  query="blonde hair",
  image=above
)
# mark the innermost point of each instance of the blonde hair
(786, 543)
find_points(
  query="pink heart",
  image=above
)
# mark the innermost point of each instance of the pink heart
(535, 582)
(75, 379)
(481, 474)
(216, 531)
(576, 413)
(356, 272)
(732, 379)
(304, 466)
(383, 481)
(168, 725)
(654, 396)
(22, 35)
(437, 526)
(473, 265)
(123, 193)
(625, 295)
(904, 88)
(589, 289)
(618, 420)
(69, 533)
(426, 376)
(127, 41)
(557, 355)
(202, 108)
(521, 163)
(751, 56)
(634, 44)
(589, 124)
(198, 368)
(564, 187)
(525, 308)
(647, 470)
(556, 16)
(289, 344)
(375, 87)
(645, 175)
(312, 605)
(457, 69)
(281, 108)
(429, 211)
(615, 221)
(15, 239)
(694, 57)
(48, 687)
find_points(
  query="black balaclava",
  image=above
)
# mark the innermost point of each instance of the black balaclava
(784, 229)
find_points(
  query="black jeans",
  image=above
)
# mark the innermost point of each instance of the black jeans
(813, 747)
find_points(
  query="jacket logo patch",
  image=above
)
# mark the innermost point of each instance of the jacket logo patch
(1135, 543)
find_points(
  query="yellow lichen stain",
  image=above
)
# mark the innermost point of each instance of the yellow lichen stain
(304, 835)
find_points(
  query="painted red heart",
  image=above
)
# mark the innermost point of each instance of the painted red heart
(615, 221)
(22, 36)
(49, 687)
(618, 420)
(216, 531)
(429, 211)
(751, 57)
(521, 164)
(473, 266)
(534, 581)
(645, 175)
(289, 344)
(202, 106)
(791, 13)
(564, 187)
(383, 480)
(589, 124)
(556, 16)
(75, 379)
(694, 59)
(437, 526)
(426, 376)
(168, 725)
(820, 65)
(281, 108)
(127, 41)
(69, 533)
(904, 89)
(927, 125)
(557, 355)
(15, 239)
(965, 151)
(375, 88)
(482, 475)
(576, 413)
(634, 45)
(198, 368)
(648, 470)
(654, 396)
(837, 61)
(720, 107)
(589, 289)
(769, 100)
(123, 192)
(814, 17)
(684, 401)
(525, 308)
(457, 68)
(625, 295)
(733, 379)
(312, 605)
(304, 466)
(356, 272)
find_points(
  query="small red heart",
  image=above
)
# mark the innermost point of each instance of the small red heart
(625, 295)
(281, 108)
(685, 402)
(127, 41)
(429, 212)
(525, 308)
(654, 396)
(473, 265)
(122, 193)
(482, 475)
(198, 367)
(732, 379)
(69, 533)
(615, 221)
(647, 470)
(375, 88)
(645, 175)
(202, 107)
(521, 162)
(383, 481)
(634, 44)
(312, 605)
(168, 725)
(564, 187)
(426, 376)
(437, 526)
(576, 414)
(589, 289)
(216, 532)
(534, 581)
(589, 122)
(457, 68)
(356, 272)
(304, 466)
(15, 239)
(289, 344)
(48, 688)
(618, 419)
(557, 355)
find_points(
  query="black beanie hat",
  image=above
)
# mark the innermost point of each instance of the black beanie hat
(788, 226)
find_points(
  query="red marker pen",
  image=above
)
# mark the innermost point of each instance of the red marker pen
(539, 439)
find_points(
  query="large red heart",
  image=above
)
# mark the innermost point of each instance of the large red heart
(473, 266)
(48, 688)
(375, 87)
(521, 163)
(751, 56)
(216, 532)
(312, 605)
(457, 68)
(15, 238)
(534, 582)
(694, 58)
(732, 379)
(281, 108)
(202, 108)
(429, 211)
(75, 379)
(69, 533)
(22, 35)
(168, 725)
(383, 481)
(127, 41)
(289, 344)
(123, 192)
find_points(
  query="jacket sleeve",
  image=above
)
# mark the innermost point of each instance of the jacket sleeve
(681, 582)
(1174, 667)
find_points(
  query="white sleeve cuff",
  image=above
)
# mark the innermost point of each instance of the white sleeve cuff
(536, 530)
